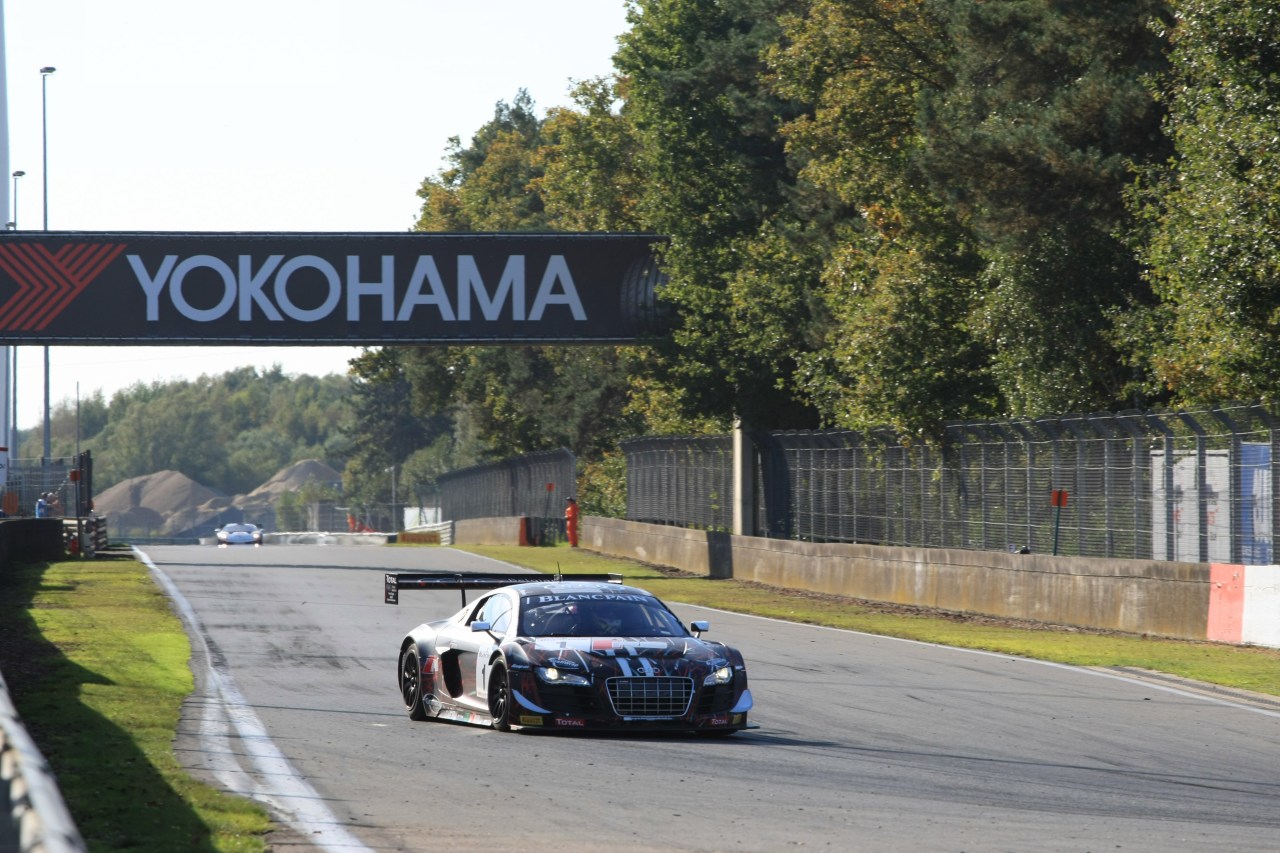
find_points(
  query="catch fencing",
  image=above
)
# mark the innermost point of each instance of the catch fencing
(66, 483)
(688, 478)
(534, 486)
(1189, 486)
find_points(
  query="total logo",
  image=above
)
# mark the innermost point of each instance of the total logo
(308, 288)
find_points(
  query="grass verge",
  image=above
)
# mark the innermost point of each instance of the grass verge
(1243, 667)
(97, 665)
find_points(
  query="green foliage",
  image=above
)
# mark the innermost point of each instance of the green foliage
(592, 178)
(717, 182)
(485, 187)
(1031, 141)
(1210, 238)
(385, 427)
(229, 432)
(881, 213)
(899, 272)
(290, 512)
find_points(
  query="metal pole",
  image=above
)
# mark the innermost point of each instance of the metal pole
(17, 174)
(44, 128)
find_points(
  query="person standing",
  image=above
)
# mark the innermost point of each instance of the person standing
(42, 505)
(571, 514)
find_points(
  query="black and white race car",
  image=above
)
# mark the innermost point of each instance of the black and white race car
(566, 654)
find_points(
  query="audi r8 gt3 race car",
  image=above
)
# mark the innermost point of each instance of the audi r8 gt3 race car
(566, 654)
(239, 534)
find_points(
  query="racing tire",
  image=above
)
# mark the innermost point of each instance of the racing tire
(411, 684)
(500, 698)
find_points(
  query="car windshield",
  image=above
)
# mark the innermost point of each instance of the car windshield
(596, 615)
(239, 528)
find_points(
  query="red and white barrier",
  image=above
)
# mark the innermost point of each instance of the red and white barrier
(1244, 604)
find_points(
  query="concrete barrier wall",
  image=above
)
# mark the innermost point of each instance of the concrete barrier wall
(30, 540)
(696, 551)
(1137, 596)
(488, 531)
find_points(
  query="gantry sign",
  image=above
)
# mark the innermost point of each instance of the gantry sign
(352, 289)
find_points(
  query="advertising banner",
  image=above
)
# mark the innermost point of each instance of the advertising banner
(349, 289)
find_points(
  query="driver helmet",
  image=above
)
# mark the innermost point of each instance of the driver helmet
(607, 618)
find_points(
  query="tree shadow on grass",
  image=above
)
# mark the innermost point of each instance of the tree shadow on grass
(117, 797)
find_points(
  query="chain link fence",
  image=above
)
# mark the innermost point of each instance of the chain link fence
(683, 480)
(65, 483)
(534, 485)
(1192, 486)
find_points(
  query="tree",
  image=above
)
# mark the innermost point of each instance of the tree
(384, 427)
(1210, 213)
(899, 271)
(485, 187)
(716, 178)
(515, 399)
(1031, 139)
(591, 180)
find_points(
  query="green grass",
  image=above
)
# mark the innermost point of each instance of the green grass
(97, 665)
(1243, 667)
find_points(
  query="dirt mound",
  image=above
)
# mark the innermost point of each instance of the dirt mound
(169, 503)
(164, 492)
(294, 477)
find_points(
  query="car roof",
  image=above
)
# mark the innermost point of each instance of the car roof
(584, 588)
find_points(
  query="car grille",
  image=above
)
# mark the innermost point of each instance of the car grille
(663, 696)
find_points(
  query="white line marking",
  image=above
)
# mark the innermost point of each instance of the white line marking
(277, 785)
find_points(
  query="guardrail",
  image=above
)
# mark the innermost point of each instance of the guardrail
(87, 535)
(39, 820)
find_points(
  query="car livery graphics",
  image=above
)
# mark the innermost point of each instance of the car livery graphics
(567, 655)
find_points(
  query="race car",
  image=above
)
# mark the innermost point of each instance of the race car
(239, 534)
(581, 654)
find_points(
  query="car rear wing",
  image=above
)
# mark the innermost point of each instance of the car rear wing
(396, 581)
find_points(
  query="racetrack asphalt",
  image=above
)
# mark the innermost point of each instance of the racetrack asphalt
(865, 742)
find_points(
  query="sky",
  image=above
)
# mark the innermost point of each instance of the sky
(259, 115)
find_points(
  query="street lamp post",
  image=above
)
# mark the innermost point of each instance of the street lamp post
(44, 129)
(13, 223)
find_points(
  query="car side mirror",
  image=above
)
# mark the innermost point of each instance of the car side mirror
(480, 625)
(699, 627)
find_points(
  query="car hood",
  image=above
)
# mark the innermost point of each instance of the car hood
(652, 655)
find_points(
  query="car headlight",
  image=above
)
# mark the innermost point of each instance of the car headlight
(551, 675)
(723, 675)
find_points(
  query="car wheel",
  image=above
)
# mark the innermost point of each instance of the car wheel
(411, 684)
(500, 698)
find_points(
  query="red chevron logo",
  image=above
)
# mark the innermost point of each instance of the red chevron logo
(49, 281)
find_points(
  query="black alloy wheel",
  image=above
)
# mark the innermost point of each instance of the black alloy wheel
(411, 684)
(500, 698)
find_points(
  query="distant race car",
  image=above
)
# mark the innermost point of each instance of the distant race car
(239, 534)
(587, 653)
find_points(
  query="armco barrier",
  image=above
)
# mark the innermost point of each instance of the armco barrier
(1192, 601)
(38, 818)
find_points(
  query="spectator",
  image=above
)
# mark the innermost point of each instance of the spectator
(42, 505)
